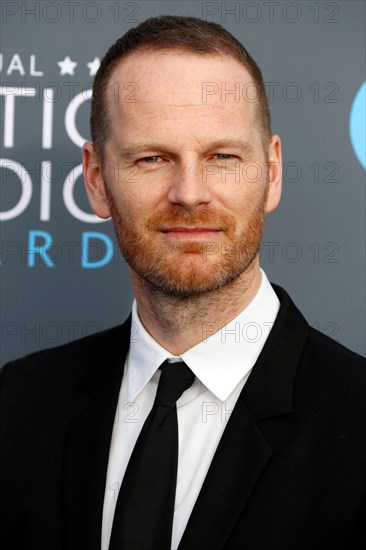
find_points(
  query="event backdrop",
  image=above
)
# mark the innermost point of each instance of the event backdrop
(62, 276)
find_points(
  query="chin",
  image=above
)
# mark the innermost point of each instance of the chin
(190, 282)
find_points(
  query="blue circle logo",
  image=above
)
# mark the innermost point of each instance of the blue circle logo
(357, 125)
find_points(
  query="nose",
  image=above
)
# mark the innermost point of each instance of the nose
(188, 188)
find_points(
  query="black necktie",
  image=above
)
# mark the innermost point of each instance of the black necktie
(143, 518)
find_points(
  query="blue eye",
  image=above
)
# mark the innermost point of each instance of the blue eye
(224, 155)
(150, 159)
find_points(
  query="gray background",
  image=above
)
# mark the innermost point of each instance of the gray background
(313, 244)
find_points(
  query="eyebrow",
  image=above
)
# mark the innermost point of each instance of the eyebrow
(233, 144)
(139, 147)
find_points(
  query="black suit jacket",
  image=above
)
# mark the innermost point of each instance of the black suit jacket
(289, 472)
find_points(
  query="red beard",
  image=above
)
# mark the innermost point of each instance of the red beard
(187, 268)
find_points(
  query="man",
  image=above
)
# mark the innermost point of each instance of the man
(264, 447)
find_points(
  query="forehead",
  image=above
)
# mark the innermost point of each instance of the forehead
(177, 92)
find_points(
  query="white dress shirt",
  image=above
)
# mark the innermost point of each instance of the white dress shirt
(221, 363)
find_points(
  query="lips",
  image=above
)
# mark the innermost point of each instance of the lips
(191, 232)
(189, 229)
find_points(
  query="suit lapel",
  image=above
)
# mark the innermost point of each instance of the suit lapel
(238, 462)
(88, 438)
(244, 452)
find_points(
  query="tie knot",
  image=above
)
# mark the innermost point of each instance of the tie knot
(175, 379)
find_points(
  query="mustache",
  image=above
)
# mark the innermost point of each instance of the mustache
(177, 217)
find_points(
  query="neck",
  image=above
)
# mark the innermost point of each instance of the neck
(178, 324)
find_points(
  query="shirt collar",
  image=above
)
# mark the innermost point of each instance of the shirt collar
(223, 357)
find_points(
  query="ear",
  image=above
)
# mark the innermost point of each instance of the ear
(94, 183)
(274, 173)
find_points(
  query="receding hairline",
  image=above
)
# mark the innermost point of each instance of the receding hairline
(261, 111)
(176, 51)
(145, 51)
(113, 87)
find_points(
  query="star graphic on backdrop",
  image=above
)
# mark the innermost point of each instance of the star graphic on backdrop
(67, 66)
(93, 66)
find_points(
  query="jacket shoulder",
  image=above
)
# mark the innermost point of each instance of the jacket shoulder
(333, 365)
(331, 385)
(330, 349)
(321, 347)
(66, 360)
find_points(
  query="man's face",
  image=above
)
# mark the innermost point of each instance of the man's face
(186, 177)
